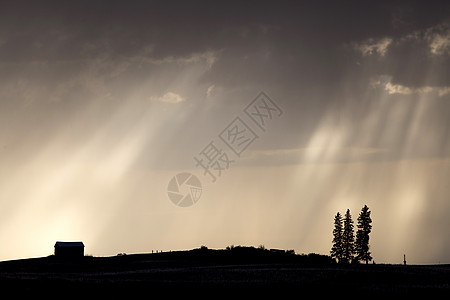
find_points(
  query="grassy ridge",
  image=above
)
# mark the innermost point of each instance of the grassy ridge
(248, 269)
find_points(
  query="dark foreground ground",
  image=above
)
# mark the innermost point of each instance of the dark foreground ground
(210, 273)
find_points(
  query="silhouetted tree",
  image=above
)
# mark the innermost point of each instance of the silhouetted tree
(337, 250)
(348, 239)
(362, 235)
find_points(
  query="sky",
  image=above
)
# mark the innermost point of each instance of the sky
(102, 103)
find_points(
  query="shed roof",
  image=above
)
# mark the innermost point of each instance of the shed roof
(69, 244)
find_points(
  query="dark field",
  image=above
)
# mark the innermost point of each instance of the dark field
(218, 272)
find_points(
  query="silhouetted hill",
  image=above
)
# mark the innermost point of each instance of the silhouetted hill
(213, 272)
(245, 255)
(195, 257)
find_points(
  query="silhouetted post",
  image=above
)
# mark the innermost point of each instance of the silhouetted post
(404, 259)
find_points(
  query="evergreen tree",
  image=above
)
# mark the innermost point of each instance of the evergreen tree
(362, 235)
(348, 239)
(336, 249)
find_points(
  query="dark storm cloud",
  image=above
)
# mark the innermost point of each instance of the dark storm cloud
(54, 31)
(67, 52)
(416, 59)
(63, 53)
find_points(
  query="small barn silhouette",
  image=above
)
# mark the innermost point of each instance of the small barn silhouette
(69, 249)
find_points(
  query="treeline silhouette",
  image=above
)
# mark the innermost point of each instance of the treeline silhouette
(246, 254)
(346, 249)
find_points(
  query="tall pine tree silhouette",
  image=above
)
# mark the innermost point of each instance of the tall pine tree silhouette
(337, 250)
(348, 239)
(362, 235)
